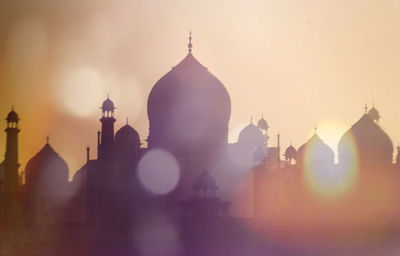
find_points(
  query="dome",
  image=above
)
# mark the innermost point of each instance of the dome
(205, 181)
(290, 153)
(262, 124)
(46, 169)
(108, 105)
(188, 106)
(127, 135)
(370, 141)
(315, 150)
(374, 114)
(251, 135)
(12, 116)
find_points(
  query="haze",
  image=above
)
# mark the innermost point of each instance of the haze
(300, 63)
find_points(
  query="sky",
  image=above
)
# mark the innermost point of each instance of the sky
(300, 63)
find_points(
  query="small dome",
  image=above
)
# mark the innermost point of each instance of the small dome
(370, 141)
(108, 105)
(12, 116)
(290, 153)
(127, 135)
(46, 169)
(251, 135)
(262, 124)
(205, 181)
(315, 150)
(374, 114)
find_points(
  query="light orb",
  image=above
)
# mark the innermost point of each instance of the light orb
(159, 171)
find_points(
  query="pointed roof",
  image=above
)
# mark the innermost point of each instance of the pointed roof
(204, 181)
(108, 105)
(12, 116)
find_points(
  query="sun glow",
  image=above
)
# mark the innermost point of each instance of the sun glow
(82, 91)
(324, 177)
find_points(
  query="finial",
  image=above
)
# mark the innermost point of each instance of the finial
(373, 104)
(12, 107)
(47, 139)
(251, 119)
(108, 95)
(190, 42)
(315, 129)
(262, 115)
(127, 120)
(366, 108)
(278, 141)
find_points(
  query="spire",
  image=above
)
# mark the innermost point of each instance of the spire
(190, 42)
(87, 153)
(278, 140)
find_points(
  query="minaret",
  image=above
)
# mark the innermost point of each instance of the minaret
(107, 120)
(10, 179)
(11, 164)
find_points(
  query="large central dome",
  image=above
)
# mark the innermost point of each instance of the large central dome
(188, 107)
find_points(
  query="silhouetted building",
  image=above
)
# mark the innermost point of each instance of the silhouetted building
(107, 204)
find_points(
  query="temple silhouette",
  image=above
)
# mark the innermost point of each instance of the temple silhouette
(106, 209)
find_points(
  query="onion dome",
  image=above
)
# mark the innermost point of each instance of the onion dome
(12, 116)
(251, 135)
(204, 181)
(262, 124)
(315, 150)
(80, 176)
(108, 105)
(374, 114)
(290, 153)
(368, 140)
(127, 135)
(188, 105)
(46, 170)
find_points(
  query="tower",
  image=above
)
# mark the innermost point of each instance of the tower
(10, 180)
(11, 165)
(106, 145)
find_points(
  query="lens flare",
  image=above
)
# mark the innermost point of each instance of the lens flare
(324, 177)
(159, 171)
(77, 86)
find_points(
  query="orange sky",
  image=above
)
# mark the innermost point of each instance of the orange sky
(299, 62)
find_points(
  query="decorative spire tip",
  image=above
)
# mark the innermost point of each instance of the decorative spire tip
(190, 42)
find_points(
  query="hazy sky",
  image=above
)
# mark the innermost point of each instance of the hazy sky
(299, 62)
